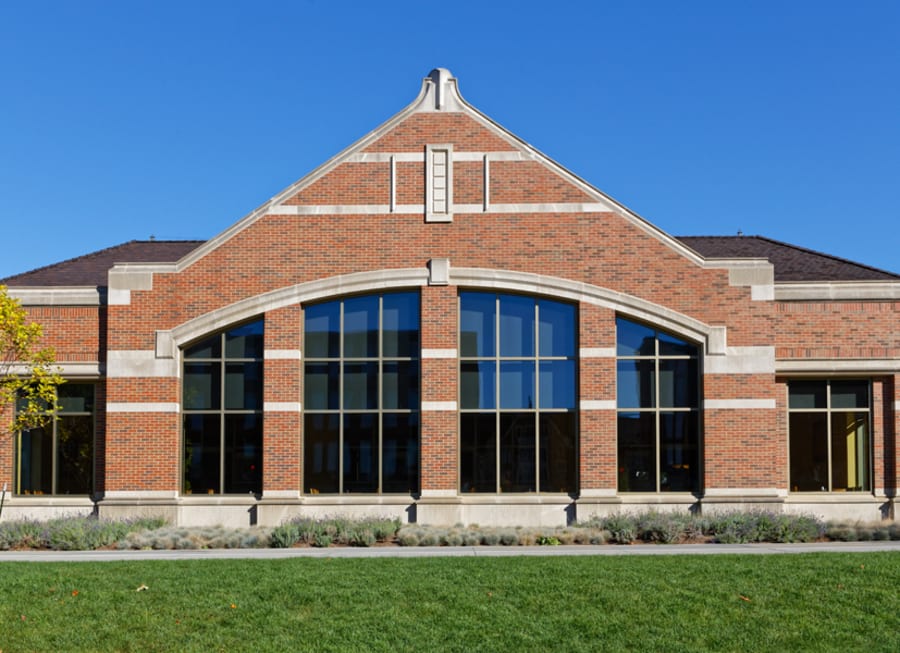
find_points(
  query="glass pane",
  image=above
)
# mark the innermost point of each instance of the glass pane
(637, 452)
(849, 452)
(517, 384)
(477, 384)
(634, 339)
(75, 451)
(321, 454)
(322, 326)
(202, 454)
(556, 329)
(400, 453)
(361, 453)
(202, 386)
(209, 348)
(36, 462)
(557, 384)
(400, 325)
(849, 394)
(477, 452)
(635, 384)
(517, 452)
(557, 452)
(321, 386)
(516, 326)
(243, 454)
(76, 397)
(809, 452)
(678, 461)
(807, 394)
(245, 341)
(360, 386)
(243, 386)
(678, 383)
(400, 385)
(477, 324)
(361, 327)
(672, 346)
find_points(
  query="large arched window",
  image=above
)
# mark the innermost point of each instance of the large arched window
(517, 394)
(222, 407)
(658, 396)
(361, 395)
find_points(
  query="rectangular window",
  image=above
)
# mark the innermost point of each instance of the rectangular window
(516, 394)
(59, 457)
(222, 406)
(657, 395)
(829, 436)
(361, 395)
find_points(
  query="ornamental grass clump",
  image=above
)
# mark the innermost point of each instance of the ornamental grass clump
(325, 531)
(80, 533)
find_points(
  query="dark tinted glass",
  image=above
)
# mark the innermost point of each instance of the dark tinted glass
(76, 397)
(556, 329)
(633, 339)
(637, 452)
(400, 325)
(517, 384)
(557, 452)
(809, 452)
(361, 327)
(636, 383)
(808, 394)
(516, 326)
(400, 453)
(478, 384)
(517, 452)
(36, 462)
(202, 455)
(678, 455)
(360, 386)
(849, 394)
(671, 346)
(209, 348)
(360, 453)
(202, 386)
(477, 324)
(321, 386)
(321, 453)
(322, 326)
(557, 384)
(243, 453)
(400, 385)
(245, 341)
(243, 386)
(678, 383)
(477, 452)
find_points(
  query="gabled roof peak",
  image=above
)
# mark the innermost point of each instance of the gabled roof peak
(439, 92)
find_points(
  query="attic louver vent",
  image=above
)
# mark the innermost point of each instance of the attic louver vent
(439, 183)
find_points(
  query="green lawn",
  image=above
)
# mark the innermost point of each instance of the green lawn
(810, 602)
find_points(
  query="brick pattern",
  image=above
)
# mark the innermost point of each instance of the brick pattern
(742, 448)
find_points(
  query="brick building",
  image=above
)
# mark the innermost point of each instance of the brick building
(443, 324)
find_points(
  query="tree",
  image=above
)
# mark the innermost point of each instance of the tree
(28, 376)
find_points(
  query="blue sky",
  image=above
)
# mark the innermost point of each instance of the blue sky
(122, 120)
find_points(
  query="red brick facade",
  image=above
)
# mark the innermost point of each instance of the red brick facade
(519, 224)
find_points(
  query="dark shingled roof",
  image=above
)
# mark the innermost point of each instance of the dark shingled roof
(91, 269)
(791, 263)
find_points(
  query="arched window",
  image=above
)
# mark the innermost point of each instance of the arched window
(222, 405)
(517, 394)
(361, 395)
(657, 386)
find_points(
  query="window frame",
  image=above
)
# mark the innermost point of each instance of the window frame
(53, 426)
(497, 358)
(380, 360)
(828, 411)
(657, 409)
(222, 412)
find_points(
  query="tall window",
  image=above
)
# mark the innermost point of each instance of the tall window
(59, 457)
(829, 436)
(657, 395)
(517, 394)
(361, 395)
(222, 408)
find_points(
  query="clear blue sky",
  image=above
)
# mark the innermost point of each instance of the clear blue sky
(122, 120)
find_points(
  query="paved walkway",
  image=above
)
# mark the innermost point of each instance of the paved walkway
(454, 552)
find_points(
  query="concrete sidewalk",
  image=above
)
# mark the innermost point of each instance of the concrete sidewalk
(449, 552)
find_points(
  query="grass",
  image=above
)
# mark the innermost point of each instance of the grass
(803, 602)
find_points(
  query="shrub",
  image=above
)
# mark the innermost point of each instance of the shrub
(622, 528)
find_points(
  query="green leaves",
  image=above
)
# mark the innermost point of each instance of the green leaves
(28, 376)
